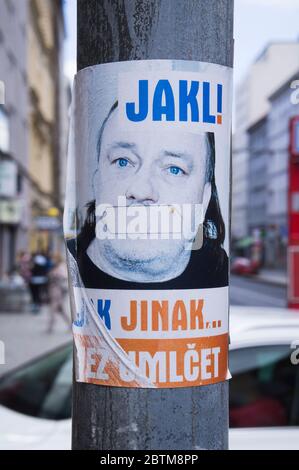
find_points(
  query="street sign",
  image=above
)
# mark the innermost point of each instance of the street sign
(10, 212)
(45, 222)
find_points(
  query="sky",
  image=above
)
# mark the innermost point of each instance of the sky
(256, 24)
(70, 46)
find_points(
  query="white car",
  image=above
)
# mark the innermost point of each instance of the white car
(35, 400)
(264, 389)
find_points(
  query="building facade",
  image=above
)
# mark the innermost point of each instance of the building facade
(282, 109)
(258, 176)
(33, 127)
(14, 212)
(277, 63)
(268, 176)
(47, 118)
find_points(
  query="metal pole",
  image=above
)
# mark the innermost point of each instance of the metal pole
(133, 418)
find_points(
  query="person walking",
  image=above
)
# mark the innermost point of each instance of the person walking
(39, 279)
(24, 266)
(57, 289)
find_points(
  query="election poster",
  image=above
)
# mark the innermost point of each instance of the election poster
(146, 223)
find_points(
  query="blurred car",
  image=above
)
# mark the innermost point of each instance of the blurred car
(244, 266)
(35, 403)
(35, 399)
(264, 390)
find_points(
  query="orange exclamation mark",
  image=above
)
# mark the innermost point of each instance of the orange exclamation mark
(219, 104)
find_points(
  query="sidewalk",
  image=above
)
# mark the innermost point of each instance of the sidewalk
(25, 336)
(271, 276)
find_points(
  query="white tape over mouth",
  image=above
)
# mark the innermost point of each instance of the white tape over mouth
(153, 221)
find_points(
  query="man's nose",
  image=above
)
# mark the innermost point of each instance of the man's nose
(142, 190)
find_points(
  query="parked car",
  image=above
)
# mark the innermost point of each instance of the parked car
(35, 399)
(244, 266)
(264, 390)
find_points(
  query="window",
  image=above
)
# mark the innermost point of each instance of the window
(42, 388)
(264, 390)
(19, 183)
(4, 130)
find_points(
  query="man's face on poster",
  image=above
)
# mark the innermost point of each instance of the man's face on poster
(152, 168)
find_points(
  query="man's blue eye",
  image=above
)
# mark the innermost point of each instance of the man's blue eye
(175, 170)
(122, 162)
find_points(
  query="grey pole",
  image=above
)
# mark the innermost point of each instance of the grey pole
(112, 418)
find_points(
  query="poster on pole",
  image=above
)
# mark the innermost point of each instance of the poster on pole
(146, 223)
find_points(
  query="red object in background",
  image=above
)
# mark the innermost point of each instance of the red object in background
(244, 266)
(293, 211)
(262, 413)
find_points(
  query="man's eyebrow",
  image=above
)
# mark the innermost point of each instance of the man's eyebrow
(124, 145)
(168, 153)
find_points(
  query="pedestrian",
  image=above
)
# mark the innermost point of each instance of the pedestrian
(57, 289)
(24, 266)
(39, 280)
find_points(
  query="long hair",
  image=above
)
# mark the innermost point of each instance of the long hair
(213, 218)
(213, 225)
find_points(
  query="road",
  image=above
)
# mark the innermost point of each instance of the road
(247, 291)
(25, 336)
